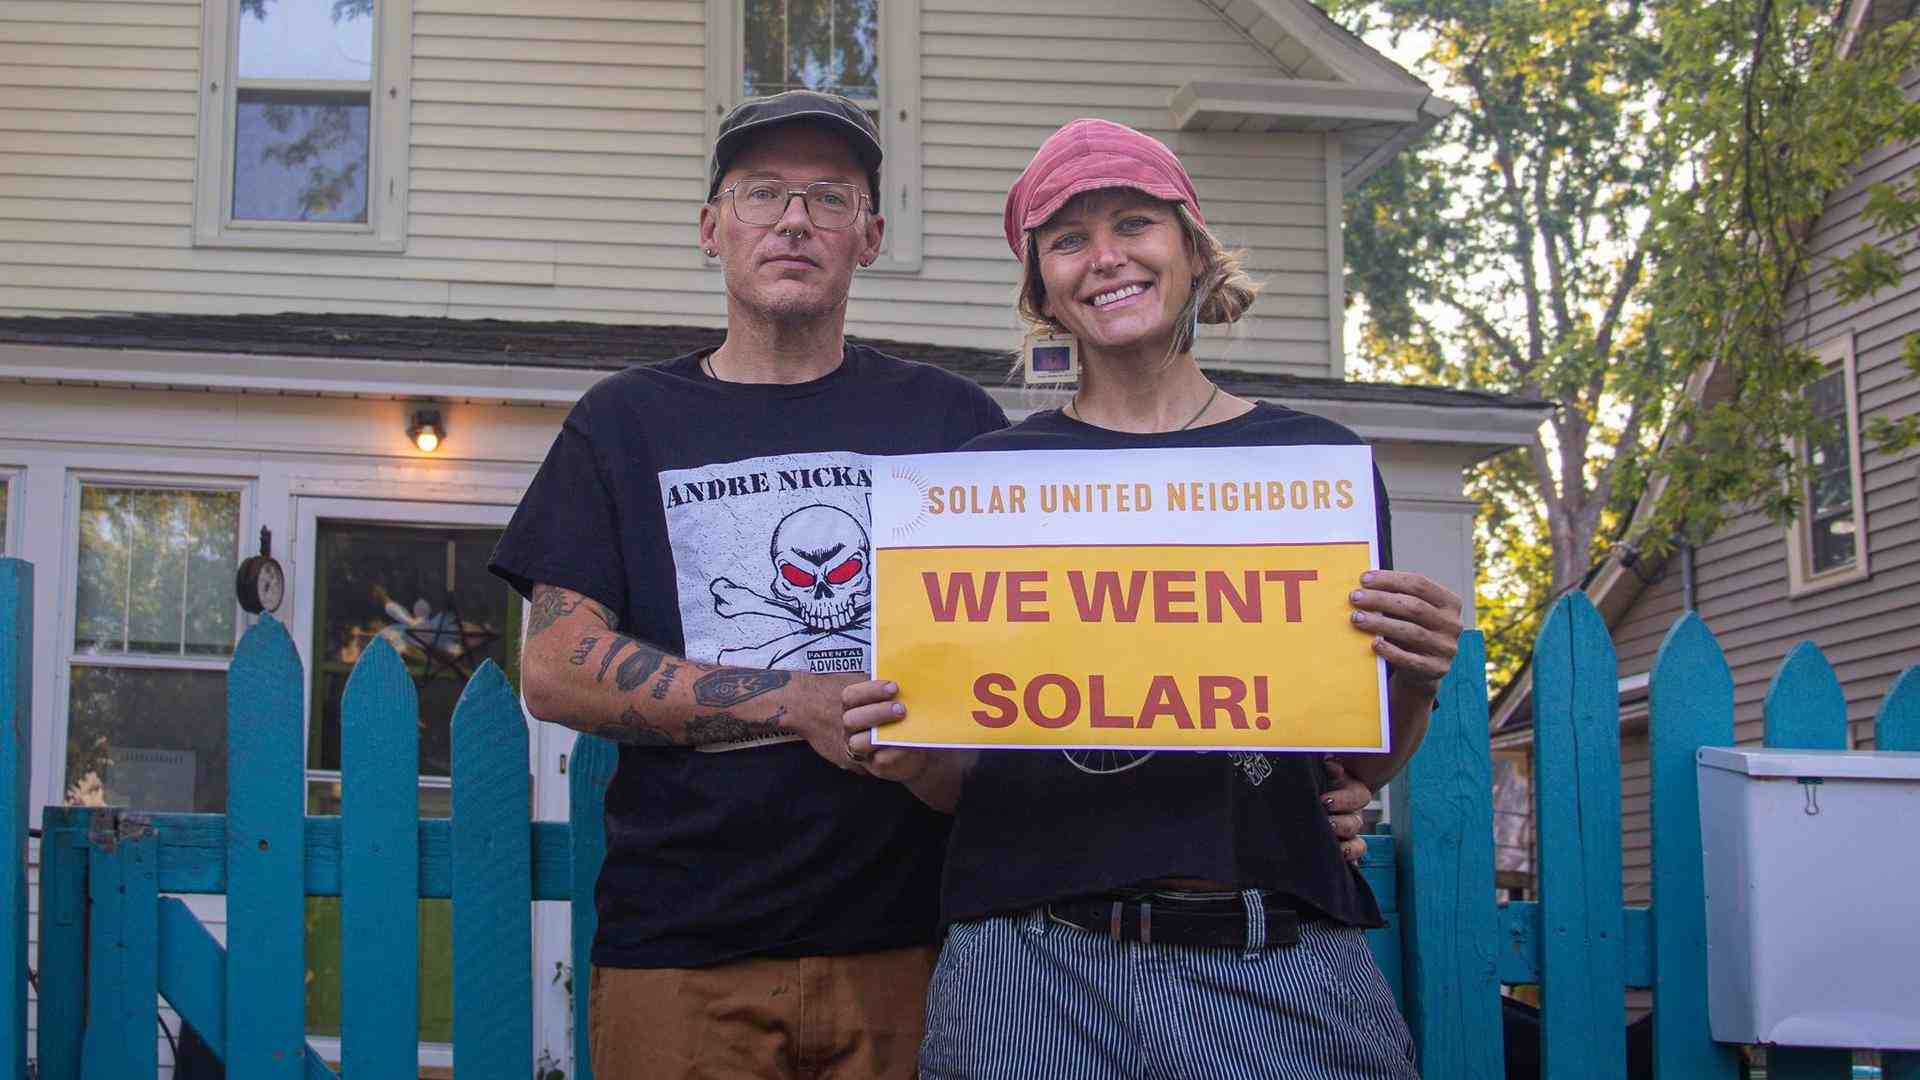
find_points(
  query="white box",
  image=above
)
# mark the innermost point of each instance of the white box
(1813, 896)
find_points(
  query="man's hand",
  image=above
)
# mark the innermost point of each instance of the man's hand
(934, 776)
(1344, 797)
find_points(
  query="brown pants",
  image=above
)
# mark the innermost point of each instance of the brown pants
(854, 1017)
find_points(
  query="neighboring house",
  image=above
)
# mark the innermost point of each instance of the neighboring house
(476, 209)
(1844, 574)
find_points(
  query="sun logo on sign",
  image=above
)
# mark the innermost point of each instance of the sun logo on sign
(904, 529)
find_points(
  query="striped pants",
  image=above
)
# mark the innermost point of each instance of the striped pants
(1024, 998)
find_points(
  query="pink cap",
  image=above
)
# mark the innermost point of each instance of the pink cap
(1087, 155)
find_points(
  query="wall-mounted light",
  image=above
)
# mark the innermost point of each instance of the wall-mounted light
(426, 432)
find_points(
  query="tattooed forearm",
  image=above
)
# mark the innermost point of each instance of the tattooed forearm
(724, 727)
(636, 730)
(606, 660)
(550, 602)
(583, 650)
(635, 670)
(665, 682)
(731, 686)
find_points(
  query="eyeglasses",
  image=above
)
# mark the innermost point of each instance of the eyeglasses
(830, 205)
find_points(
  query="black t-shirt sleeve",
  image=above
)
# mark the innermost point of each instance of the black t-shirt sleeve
(566, 531)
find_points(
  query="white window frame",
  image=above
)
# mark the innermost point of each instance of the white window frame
(70, 606)
(1801, 580)
(387, 133)
(900, 179)
(12, 502)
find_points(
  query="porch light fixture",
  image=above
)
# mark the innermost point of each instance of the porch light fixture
(426, 431)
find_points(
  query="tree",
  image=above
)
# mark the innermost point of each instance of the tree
(1510, 252)
(1618, 205)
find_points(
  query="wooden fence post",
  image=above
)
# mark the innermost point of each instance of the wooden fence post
(1443, 835)
(63, 940)
(266, 857)
(492, 882)
(1576, 723)
(1898, 728)
(123, 969)
(379, 869)
(590, 770)
(16, 811)
(1806, 710)
(1691, 705)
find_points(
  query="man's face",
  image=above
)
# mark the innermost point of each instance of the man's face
(792, 270)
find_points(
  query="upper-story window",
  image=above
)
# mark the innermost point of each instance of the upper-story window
(303, 124)
(863, 50)
(1827, 540)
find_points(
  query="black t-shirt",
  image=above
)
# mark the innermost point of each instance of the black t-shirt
(688, 507)
(1040, 825)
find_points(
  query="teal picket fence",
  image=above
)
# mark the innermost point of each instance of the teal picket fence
(112, 943)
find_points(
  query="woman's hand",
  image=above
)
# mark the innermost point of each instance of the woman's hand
(1415, 622)
(934, 776)
(1344, 797)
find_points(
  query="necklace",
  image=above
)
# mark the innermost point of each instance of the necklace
(1073, 408)
(706, 365)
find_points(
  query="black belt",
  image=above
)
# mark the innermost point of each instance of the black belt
(1165, 918)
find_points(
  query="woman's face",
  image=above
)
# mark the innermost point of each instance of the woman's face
(1116, 269)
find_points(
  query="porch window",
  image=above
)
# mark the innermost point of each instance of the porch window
(303, 124)
(863, 50)
(154, 626)
(1828, 535)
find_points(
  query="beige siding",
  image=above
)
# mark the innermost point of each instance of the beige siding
(557, 167)
(1868, 629)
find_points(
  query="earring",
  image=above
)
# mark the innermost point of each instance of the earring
(1050, 357)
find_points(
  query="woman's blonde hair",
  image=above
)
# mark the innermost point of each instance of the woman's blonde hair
(1222, 289)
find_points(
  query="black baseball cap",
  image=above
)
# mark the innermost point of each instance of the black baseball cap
(756, 115)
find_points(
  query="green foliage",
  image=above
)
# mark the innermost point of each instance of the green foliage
(1615, 217)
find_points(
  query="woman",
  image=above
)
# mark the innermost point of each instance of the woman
(1189, 915)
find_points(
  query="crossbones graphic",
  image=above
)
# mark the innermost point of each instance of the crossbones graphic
(822, 587)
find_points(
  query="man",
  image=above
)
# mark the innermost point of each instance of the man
(695, 550)
(765, 907)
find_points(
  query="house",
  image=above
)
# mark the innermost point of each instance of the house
(326, 274)
(1844, 574)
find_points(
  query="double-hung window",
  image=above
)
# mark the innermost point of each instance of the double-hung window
(154, 624)
(864, 50)
(1827, 541)
(303, 124)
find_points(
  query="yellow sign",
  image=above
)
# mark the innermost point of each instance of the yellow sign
(1159, 615)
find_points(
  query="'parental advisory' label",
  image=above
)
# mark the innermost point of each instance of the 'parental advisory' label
(833, 661)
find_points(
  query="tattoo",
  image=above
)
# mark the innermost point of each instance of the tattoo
(636, 730)
(666, 680)
(583, 650)
(606, 660)
(550, 602)
(635, 670)
(724, 727)
(731, 686)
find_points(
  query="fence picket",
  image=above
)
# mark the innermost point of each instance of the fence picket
(63, 941)
(123, 975)
(589, 771)
(379, 875)
(266, 895)
(1897, 727)
(16, 813)
(1691, 705)
(1577, 807)
(492, 882)
(1806, 710)
(1443, 833)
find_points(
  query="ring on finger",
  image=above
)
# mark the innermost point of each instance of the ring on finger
(856, 756)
